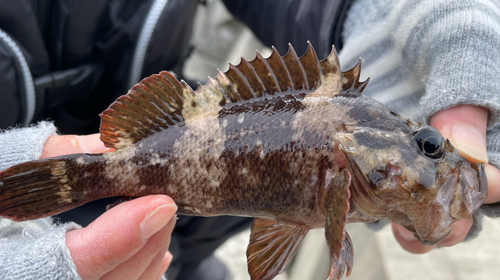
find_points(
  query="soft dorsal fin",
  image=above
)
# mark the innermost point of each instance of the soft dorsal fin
(161, 101)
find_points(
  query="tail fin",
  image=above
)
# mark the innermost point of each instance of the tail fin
(37, 189)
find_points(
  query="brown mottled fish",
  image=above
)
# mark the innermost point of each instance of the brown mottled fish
(290, 141)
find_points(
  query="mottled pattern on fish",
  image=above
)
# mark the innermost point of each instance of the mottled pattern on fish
(288, 140)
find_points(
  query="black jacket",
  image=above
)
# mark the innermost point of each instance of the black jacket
(67, 60)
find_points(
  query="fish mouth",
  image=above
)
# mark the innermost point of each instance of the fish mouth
(436, 237)
(435, 228)
(459, 197)
(471, 191)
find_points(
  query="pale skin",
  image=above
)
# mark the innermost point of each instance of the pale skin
(464, 125)
(111, 247)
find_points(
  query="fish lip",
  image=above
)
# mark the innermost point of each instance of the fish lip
(472, 191)
(463, 191)
(432, 241)
(483, 184)
(437, 235)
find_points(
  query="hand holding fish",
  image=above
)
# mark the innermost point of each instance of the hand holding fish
(112, 247)
(465, 126)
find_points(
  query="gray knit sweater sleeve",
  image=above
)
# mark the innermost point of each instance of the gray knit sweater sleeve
(33, 249)
(426, 56)
(23, 144)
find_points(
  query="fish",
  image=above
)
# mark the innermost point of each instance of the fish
(290, 141)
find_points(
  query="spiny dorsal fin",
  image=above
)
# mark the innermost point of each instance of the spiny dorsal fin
(161, 101)
(350, 79)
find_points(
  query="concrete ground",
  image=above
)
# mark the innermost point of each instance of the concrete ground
(377, 256)
(219, 39)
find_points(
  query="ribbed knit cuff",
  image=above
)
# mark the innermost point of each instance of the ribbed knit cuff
(19, 145)
(38, 255)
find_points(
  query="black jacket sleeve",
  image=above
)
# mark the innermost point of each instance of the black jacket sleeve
(279, 22)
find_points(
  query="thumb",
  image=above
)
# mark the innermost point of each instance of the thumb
(57, 145)
(118, 234)
(465, 127)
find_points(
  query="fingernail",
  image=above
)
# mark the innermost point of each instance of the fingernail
(405, 234)
(469, 142)
(157, 219)
(91, 144)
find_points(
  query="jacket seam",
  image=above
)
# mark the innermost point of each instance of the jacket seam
(143, 41)
(29, 88)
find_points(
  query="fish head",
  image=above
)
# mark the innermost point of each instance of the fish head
(413, 177)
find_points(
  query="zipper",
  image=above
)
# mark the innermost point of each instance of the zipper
(29, 88)
(143, 41)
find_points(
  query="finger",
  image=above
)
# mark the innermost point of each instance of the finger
(58, 145)
(148, 258)
(118, 234)
(167, 260)
(458, 233)
(465, 127)
(406, 239)
(493, 176)
(155, 269)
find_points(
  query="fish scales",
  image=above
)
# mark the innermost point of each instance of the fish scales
(288, 140)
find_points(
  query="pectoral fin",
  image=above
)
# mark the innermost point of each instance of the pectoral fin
(336, 208)
(272, 247)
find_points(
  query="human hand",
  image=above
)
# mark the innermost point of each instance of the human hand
(465, 127)
(58, 145)
(130, 241)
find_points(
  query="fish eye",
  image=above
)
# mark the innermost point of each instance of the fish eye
(429, 142)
